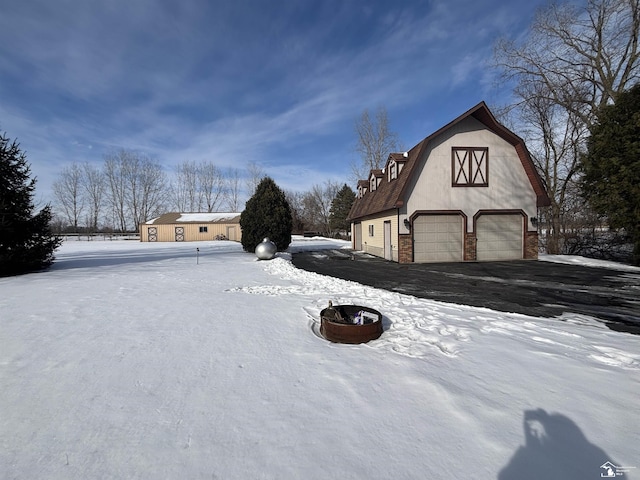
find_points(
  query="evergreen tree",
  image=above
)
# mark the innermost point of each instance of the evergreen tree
(340, 208)
(266, 214)
(26, 241)
(611, 168)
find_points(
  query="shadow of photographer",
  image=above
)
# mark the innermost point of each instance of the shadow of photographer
(556, 448)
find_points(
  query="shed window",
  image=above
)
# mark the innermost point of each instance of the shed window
(470, 167)
(204, 229)
(371, 230)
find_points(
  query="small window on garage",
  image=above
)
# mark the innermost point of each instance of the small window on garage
(204, 229)
(371, 230)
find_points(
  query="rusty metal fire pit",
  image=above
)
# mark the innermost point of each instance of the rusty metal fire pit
(350, 323)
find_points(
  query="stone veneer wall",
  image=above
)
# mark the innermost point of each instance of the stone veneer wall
(470, 252)
(531, 245)
(405, 248)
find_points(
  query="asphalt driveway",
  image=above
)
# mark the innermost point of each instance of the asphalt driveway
(534, 288)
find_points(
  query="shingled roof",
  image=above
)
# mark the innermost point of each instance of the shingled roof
(391, 194)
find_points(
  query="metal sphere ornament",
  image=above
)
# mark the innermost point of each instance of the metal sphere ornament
(266, 250)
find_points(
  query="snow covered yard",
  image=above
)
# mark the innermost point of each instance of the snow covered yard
(129, 360)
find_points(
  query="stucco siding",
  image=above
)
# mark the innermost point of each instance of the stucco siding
(508, 184)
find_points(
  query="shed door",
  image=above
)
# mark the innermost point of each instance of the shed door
(357, 236)
(438, 238)
(387, 241)
(179, 234)
(231, 233)
(500, 237)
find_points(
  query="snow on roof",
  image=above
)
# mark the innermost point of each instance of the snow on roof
(174, 217)
(206, 217)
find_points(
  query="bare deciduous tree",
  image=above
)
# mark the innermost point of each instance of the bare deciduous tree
(197, 187)
(296, 204)
(151, 193)
(136, 187)
(93, 183)
(114, 170)
(232, 190)
(574, 60)
(184, 190)
(585, 56)
(375, 141)
(68, 191)
(211, 185)
(255, 174)
(317, 206)
(555, 137)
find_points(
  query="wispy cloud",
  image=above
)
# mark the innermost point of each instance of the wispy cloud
(279, 83)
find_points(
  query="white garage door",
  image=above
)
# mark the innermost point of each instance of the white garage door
(499, 237)
(437, 238)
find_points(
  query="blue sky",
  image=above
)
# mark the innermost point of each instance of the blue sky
(275, 82)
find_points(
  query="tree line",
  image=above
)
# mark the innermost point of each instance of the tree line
(130, 188)
(574, 63)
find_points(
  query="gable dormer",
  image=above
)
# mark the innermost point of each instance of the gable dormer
(395, 164)
(363, 185)
(374, 179)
